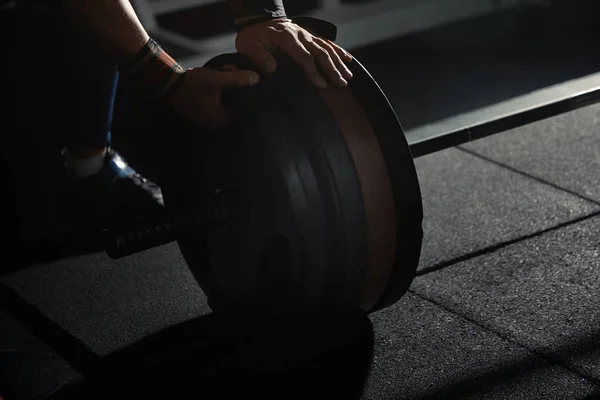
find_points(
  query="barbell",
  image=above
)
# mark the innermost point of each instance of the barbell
(309, 198)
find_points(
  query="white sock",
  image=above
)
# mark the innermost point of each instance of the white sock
(84, 167)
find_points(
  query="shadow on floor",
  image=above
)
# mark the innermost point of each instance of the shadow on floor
(322, 356)
(479, 385)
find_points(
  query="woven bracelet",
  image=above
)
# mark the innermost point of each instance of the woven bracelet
(152, 73)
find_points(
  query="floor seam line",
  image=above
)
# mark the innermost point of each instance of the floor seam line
(528, 175)
(548, 358)
(504, 244)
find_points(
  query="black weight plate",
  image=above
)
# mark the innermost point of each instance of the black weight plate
(284, 170)
(286, 161)
(404, 179)
(339, 186)
(389, 186)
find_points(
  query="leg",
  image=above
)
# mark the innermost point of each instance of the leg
(104, 185)
(65, 92)
(52, 97)
(91, 106)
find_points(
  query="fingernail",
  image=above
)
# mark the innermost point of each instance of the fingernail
(253, 78)
(343, 82)
(321, 84)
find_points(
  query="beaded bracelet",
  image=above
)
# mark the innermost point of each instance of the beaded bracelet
(152, 73)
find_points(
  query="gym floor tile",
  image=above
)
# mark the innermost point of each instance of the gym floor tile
(423, 351)
(564, 151)
(107, 303)
(541, 293)
(471, 204)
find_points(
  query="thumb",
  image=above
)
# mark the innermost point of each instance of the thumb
(235, 78)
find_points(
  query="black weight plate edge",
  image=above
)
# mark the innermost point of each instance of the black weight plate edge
(330, 158)
(404, 180)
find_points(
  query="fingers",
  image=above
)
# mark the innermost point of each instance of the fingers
(327, 59)
(310, 51)
(327, 65)
(335, 56)
(343, 54)
(259, 42)
(299, 53)
(231, 78)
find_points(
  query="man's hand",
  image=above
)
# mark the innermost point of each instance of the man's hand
(260, 40)
(199, 99)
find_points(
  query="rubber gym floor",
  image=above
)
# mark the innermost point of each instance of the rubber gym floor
(505, 304)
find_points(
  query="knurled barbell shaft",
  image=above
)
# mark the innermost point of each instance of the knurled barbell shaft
(132, 237)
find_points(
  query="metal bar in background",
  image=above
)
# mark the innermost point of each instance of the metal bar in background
(506, 122)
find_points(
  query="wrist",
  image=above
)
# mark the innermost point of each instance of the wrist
(152, 74)
(240, 20)
(244, 22)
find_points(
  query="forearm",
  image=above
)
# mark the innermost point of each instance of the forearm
(112, 24)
